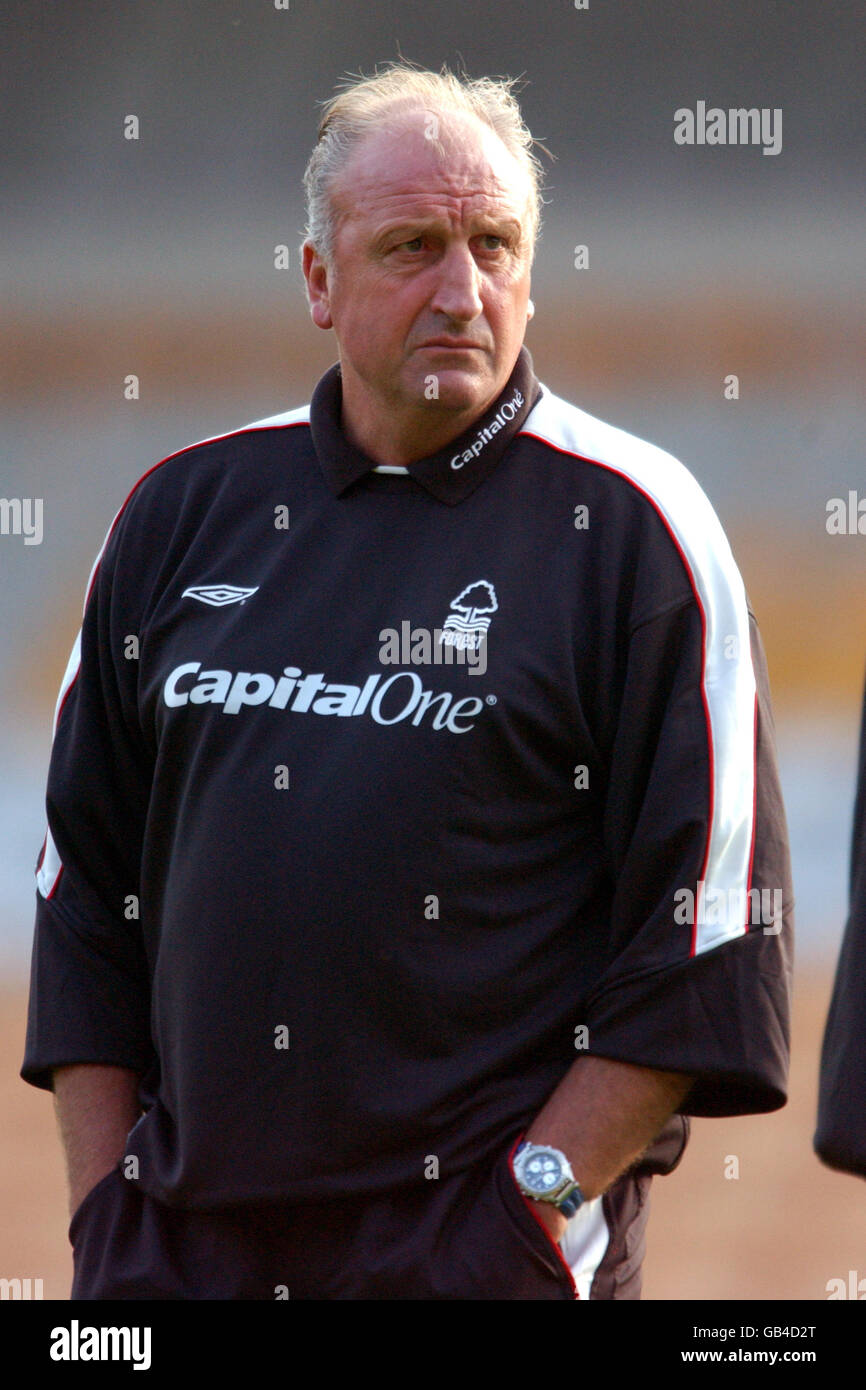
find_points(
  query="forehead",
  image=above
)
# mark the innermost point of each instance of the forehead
(433, 163)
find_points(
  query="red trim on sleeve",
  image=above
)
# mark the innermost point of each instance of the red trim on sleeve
(754, 819)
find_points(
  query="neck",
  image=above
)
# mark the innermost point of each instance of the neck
(388, 437)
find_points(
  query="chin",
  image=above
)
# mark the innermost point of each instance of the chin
(460, 391)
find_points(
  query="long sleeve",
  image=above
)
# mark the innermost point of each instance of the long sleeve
(89, 995)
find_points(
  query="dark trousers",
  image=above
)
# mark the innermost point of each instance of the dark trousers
(470, 1236)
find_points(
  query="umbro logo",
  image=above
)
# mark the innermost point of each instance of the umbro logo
(218, 595)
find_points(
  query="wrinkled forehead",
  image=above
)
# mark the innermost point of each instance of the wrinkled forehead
(436, 160)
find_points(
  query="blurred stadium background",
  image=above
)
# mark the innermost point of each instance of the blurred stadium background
(156, 257)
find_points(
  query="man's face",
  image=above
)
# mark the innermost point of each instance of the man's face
(429, 282)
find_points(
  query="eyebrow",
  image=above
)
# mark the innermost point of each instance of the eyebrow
(480, 224)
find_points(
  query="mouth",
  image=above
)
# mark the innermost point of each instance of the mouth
(452, 345)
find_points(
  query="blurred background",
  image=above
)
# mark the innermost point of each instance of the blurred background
(155, 257)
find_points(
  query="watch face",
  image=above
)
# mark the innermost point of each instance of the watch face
(542, 1172)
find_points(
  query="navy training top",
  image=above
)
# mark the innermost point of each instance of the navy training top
(377, 797)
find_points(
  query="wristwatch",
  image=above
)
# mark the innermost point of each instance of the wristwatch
(545, 1175)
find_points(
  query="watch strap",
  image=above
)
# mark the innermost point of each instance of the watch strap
(572, 1200)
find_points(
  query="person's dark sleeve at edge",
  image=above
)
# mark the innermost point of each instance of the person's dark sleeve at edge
(840, 1137)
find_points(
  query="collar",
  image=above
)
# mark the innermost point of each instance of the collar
(454, 471)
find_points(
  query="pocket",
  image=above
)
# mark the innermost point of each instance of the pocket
(528, 1226)
(88, 1199)
(499, 1250)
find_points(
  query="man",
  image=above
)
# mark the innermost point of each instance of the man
(840, 1137)
(429, 957)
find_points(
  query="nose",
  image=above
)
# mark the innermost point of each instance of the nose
(457, 293)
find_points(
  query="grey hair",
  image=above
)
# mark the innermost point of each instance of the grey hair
(358, 110)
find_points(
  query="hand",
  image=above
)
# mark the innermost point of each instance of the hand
(552, 1219)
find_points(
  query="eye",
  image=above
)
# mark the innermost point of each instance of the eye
(414, 244)
(491, 243)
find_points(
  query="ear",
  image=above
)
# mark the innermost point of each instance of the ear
(316, 277)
